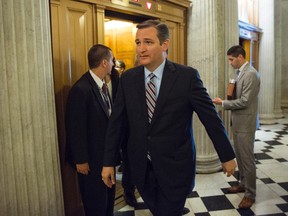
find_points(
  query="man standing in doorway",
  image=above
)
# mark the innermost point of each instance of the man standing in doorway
(87, 113)
(157, 100)
(243, 106)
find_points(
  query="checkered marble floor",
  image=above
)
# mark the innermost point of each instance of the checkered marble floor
(210, 197)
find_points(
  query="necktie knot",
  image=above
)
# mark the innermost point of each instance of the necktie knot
(151, 76)
(237, 72)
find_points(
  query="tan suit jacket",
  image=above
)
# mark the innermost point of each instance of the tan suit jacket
(244, 107)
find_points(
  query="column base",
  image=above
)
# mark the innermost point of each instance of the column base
(267, 119)
(208, 164)
(278, 114)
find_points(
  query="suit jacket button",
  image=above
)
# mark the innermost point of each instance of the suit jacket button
(149, 137)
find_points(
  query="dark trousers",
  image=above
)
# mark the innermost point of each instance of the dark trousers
(97, 198)
(154, 198)
(128, 186)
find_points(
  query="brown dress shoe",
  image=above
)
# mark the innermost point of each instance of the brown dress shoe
(236, 189)
(246, 203)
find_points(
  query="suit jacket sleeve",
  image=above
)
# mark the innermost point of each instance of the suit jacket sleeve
(117, 129)
(76, 126)
(209, 117)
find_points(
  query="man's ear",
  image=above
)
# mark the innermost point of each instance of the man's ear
(165, 45)
(241, 57)
(104, 62)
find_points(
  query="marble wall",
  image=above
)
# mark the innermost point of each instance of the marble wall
(284, 53)
(30, 180)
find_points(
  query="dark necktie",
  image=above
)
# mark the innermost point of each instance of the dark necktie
(151, 96)
(237, 73)
(106, 98)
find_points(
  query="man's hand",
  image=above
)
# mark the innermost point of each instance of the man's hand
(108, 176)
(83, 168)
(217, 100)
(229, 167)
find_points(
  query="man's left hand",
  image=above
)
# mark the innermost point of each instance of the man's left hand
(217, 100)
(108, 176)
(229, 167)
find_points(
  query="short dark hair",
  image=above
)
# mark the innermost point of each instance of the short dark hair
(162, 29)
(97, 53)
(121, 64)
(237, 50)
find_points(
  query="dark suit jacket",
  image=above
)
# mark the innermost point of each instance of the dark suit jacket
(114, 80)
(86, 123)
(169, 138)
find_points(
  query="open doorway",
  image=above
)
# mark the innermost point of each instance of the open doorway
(120, 30)
(120, 37)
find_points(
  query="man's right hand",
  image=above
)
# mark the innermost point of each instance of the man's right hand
(83, 168)
(108, 176)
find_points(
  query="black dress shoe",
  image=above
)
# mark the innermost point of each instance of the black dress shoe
(130, 199)
(185, 211)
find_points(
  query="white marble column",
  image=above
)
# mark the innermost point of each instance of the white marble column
(30, 182)
(267, 62)
(207, 47)
(284, 57)
(278, 113)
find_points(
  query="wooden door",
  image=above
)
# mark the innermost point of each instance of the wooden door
(72, 36)
(177, 44)
(122, 42)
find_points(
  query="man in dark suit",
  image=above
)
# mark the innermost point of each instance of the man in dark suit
(87, 113)
(243, 106)
(112, 80)
(161, 149)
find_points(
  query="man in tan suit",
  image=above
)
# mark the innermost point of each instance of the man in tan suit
(243, 106)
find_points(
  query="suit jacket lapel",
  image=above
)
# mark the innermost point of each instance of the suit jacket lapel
(244, 71)
(140, 92)
(97, 93)
(168, 78)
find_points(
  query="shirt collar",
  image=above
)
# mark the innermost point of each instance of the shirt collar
(98, 81)
(242, 67)
(158, 71)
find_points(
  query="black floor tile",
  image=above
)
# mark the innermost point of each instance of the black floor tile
(273, 142)
(246, 212)
(284, 185)
(283, 207)
(202, 214)
(193, 194)
(215, 203)
(262, 156)
(267, 181)
(285, 198)
(281, 160)
(140, 205)
(126, 213)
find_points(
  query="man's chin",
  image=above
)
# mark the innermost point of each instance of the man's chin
(143, 62)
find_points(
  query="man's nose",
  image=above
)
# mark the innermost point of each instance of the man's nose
(142, 47)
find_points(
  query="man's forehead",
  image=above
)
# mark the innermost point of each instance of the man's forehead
(144, 38)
